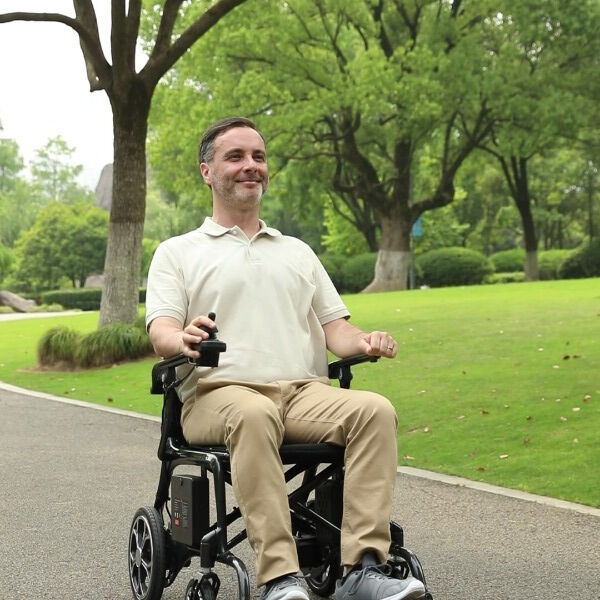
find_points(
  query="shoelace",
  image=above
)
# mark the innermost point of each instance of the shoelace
(375, 571)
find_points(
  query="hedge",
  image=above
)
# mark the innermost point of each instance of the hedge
(453, 266)
(508, 261)
(582, 262)
(80, 298)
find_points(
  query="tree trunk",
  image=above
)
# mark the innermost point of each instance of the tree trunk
(393, 259)
(523, 202)
(120, 291)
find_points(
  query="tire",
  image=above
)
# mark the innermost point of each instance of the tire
(321, 580)
(147, 554)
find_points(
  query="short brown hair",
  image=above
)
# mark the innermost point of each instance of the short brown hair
(206, 149)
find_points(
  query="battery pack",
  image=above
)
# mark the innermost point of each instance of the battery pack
(190, 516)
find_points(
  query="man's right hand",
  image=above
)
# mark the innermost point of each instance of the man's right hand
(168, 338)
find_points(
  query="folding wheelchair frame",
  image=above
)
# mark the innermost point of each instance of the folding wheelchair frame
(159, 549)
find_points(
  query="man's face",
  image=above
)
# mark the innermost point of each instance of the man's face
(238, 173)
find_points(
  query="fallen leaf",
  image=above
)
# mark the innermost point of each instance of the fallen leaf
(484, 412)
(526, 440)
(576, 409)
(109, 399)
(566, 357)
(503, 456)
(408, 457)
(563, 419)
(575, 441)
(481, 469)
(555, 367)
(586, 397)
(425, 429)
(529, 418)
(460, 417)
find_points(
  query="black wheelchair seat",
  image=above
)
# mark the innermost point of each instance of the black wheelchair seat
(162, 542)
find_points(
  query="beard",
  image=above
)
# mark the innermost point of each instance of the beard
(236, 194)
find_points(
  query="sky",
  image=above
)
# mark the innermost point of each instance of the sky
(44, 90)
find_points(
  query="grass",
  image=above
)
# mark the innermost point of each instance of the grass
(495, 383)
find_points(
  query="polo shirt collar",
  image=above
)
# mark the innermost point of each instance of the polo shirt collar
(214, 229)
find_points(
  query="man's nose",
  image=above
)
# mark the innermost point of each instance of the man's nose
(250, 163)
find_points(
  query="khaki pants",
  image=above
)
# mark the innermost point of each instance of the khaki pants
(254, 419)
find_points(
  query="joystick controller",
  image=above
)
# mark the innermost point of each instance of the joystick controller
(209, 349)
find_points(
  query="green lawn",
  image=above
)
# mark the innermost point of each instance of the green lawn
(495, 383)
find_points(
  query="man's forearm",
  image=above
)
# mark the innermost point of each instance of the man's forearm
(166, 335)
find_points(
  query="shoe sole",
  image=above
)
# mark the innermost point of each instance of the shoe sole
(295, 595)
(414, 591)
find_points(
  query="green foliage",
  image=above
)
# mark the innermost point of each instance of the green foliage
(6, 260)
(80, 298)
(508, 261)
(64, 242)
(582, 262)
(549, 262)
(342, 236)
(516, 277)
(333, 264)
(453, 266)
(358, 271)
(57, 178)
(111, 344)
(58, 346)
(63, 346)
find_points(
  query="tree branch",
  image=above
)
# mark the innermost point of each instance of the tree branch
(98, 69)
(160, 62)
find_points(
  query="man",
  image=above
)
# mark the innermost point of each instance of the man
(279, 313)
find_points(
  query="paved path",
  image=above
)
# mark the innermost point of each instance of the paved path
(72, 477)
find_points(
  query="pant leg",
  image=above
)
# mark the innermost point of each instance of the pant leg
(248, 420)
(366, 423)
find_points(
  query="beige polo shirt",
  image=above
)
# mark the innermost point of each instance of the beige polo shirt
(270, 293)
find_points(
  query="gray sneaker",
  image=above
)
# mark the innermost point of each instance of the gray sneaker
(284, 588)
(375, 582)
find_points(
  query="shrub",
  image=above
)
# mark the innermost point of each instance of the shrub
(58, 345)
(112, 343)
(515, 277)
(333, 265)
(453, 266)
(80, 298)
(358, 271)
(549, 262)
(582, 262)
(508, 261)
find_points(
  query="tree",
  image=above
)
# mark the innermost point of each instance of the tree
(179, 25)
(55, 175)
(66, 241)
(547, 54)
(11, 164)
(352, 90)
(20, 200)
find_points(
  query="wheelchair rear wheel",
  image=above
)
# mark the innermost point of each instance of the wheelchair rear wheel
(147, 554)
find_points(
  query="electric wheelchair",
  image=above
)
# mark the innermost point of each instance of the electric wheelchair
(166, 537)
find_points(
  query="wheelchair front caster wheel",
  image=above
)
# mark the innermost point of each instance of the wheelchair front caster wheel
(321, 580)
(147, 554)
(205, 588)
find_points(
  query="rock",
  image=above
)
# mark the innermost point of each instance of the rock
(17, 303)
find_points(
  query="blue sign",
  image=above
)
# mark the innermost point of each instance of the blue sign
(417, 228)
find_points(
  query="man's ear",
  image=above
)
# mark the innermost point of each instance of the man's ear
(205, 172)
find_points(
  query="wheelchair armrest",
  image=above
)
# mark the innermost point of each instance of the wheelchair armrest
(340, 369)
(163, 372)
